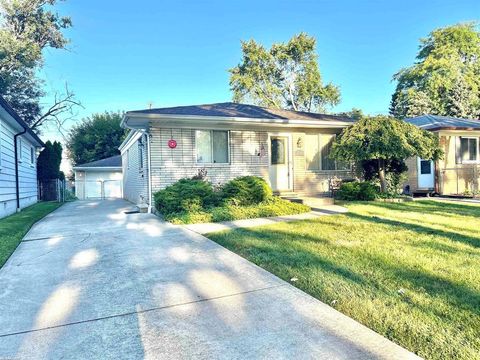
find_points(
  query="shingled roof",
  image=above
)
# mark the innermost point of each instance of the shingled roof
(236, 110)
(436, 122)
(110, 162)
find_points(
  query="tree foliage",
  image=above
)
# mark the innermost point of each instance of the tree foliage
(49, 160)
(95, 138)
(384, 138)
(27, 28)
(445, 79)
(286, 76)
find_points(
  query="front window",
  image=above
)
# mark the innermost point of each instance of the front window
(468, 149)
(32, 155)
(317, 153)
(212, 146)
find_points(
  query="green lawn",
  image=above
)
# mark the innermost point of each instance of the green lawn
(410, 271)
(13, 228)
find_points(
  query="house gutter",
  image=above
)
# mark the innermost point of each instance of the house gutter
(149, 178)
(17, 180)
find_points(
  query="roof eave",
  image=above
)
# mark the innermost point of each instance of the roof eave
(100, 168)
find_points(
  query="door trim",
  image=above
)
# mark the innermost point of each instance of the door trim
(289, 157)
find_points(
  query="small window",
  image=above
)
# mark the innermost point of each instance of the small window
(32, 155)
(279, 151)
(140, 153)
(327, 143)
(468, 149)
(212, 146)
(128, 159)
(425, 167)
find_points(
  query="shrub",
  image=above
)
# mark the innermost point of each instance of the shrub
(274, 206)
(185, 195)
(246, 190)
(357, 190)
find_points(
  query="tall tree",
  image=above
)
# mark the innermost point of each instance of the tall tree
(95, 138)
(27, 28)
(445, 79)
(286, 76)
(383, 138)
(49, 160)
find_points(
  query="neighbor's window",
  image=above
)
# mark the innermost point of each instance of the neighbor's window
(32, 155)
(211, 146)
(468, 149)
(317, 153)
(140, 153)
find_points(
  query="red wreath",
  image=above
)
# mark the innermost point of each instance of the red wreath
(172, 144)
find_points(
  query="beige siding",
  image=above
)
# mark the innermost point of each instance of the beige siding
(248, 156)
(311, 181)
(135, 177)
(170, 165)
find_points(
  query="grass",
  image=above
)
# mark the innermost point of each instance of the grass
(14, 227)
(271, 207)
(410, 271)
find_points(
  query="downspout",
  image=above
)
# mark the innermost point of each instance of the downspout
(149, 178)
(17, 180)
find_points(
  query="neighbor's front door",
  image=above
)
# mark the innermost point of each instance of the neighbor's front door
(426, 174)
(279, 163)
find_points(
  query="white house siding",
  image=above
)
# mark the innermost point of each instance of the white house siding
(170, 165)
(135, 178)
(26, 170)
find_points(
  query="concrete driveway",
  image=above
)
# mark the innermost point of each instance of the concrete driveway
(91, 282)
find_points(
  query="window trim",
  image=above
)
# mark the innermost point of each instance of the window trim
(477, 140)
(32, 155)
(211, 148)
(320, 148)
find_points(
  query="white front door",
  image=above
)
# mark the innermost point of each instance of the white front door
(279, 164)
(426, 174)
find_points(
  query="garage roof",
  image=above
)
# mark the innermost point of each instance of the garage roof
(110, 163)
(437, 122)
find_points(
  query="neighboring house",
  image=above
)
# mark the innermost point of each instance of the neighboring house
(458, 171)
(19, 146)
(287, 148)
(101, 179)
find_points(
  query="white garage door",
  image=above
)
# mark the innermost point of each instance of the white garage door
(93, 189)
(112, 188)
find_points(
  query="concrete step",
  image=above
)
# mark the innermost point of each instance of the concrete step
(312, 201)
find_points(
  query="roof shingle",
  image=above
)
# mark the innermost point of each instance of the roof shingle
(437, 122)
(230, 109)
(113, 161)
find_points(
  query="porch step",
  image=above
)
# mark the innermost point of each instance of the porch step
(312, 201)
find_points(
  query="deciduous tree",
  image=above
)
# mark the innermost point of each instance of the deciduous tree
(95, 138)
(286, 76)
(445, 79)
(384, 138)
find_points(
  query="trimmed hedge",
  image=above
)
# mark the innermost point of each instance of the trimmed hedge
(274, 206)
(246, 190)
(185, 195)
(195, 201)
(356, 190)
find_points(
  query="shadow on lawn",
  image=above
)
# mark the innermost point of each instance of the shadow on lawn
(433, 207)
(453, 236)
(271, 255)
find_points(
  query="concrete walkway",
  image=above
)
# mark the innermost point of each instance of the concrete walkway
(207, 228)
(90, 282)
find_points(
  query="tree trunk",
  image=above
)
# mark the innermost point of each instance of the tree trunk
(381, 175)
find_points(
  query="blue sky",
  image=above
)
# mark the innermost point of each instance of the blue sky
(125, 54)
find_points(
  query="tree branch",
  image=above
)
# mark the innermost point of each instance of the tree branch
(64, 104)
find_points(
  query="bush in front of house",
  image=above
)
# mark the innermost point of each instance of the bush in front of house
(357, 190)
(274, 206)
(186, 195)
(194, 200)
(246, 190)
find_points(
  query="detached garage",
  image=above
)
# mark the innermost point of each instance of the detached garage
(101, 179)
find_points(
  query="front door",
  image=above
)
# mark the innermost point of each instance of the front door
(426, 174)
(279, 169)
